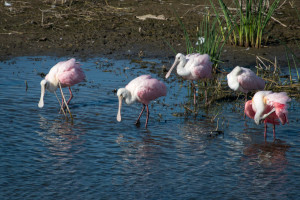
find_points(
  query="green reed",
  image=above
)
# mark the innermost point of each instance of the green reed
(294, 58)
(246, 21)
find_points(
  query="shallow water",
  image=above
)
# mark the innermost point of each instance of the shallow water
(45, 156)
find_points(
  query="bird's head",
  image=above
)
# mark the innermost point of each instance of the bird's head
(122, 93)
(178, 58)
(258, 119)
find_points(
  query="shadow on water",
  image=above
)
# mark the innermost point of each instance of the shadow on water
(214, 153)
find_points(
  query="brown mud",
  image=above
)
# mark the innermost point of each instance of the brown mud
(113, 29)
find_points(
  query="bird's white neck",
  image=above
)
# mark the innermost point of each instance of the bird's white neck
(259, 105)
(181, 70)
(52, 82)
(51, 87)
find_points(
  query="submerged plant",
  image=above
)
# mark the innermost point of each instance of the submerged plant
(247, 21)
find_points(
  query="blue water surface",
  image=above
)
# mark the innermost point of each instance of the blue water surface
(180, 156)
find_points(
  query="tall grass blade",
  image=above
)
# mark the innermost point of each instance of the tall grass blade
(296, 67)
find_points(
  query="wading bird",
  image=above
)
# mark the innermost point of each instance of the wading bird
(143, 89)
(268, 107)
(192, 67)
(67, 73)
(244, 80)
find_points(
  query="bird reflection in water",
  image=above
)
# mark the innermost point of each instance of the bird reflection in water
(267, 154)
(58, 136)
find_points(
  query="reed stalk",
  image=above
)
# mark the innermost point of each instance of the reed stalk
(247, 21)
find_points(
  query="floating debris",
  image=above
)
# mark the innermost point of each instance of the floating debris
(7, 4)
(149, 16)
(26, 85)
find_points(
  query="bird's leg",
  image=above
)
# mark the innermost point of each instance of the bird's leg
(60, 104)
(245, 104)
(63, 97)
(205, 93)
(71, 96)
(147, 117)
(194, 90)
(265, 135)
(138, 120)
(274, 137)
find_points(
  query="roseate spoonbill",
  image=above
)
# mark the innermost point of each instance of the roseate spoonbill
(192, 67)
(67, 73)
(268, 107)
(143, 89)
(244, 80)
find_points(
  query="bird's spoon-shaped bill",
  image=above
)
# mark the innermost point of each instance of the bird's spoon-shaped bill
(269, 113)
(41, 102)
(119, 110)
(173, 66)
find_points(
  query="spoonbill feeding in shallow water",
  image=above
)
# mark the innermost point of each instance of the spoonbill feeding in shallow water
(143, 89)
(192, 67)
(244, 80)
(268, 107)
(67, 73)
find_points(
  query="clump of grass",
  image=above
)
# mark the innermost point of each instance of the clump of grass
(276, 80)
(247, 21)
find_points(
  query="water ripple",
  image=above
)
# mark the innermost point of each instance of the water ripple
(45, 156)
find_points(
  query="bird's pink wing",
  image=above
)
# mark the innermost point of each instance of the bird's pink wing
(132, 85)
(200, 65)
(151, 89)
(249, 110)
(70, 73)
(279, 102)
(249, 81)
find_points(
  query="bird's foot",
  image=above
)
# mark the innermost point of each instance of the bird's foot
(138, 123)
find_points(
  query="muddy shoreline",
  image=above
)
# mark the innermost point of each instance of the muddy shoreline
(85, 29)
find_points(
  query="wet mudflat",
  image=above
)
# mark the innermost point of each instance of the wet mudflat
(179, 156)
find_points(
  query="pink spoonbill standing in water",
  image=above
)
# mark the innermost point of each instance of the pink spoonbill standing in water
(244, 80)
(67, 73)
(143, 89)
(193, 67)
(268, 107)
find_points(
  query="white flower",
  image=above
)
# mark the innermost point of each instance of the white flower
(201, 40)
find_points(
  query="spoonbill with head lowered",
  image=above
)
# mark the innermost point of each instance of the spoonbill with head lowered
(67, 73)
(192, 67)
(143, 89)
(244, 80)
(268, 107)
